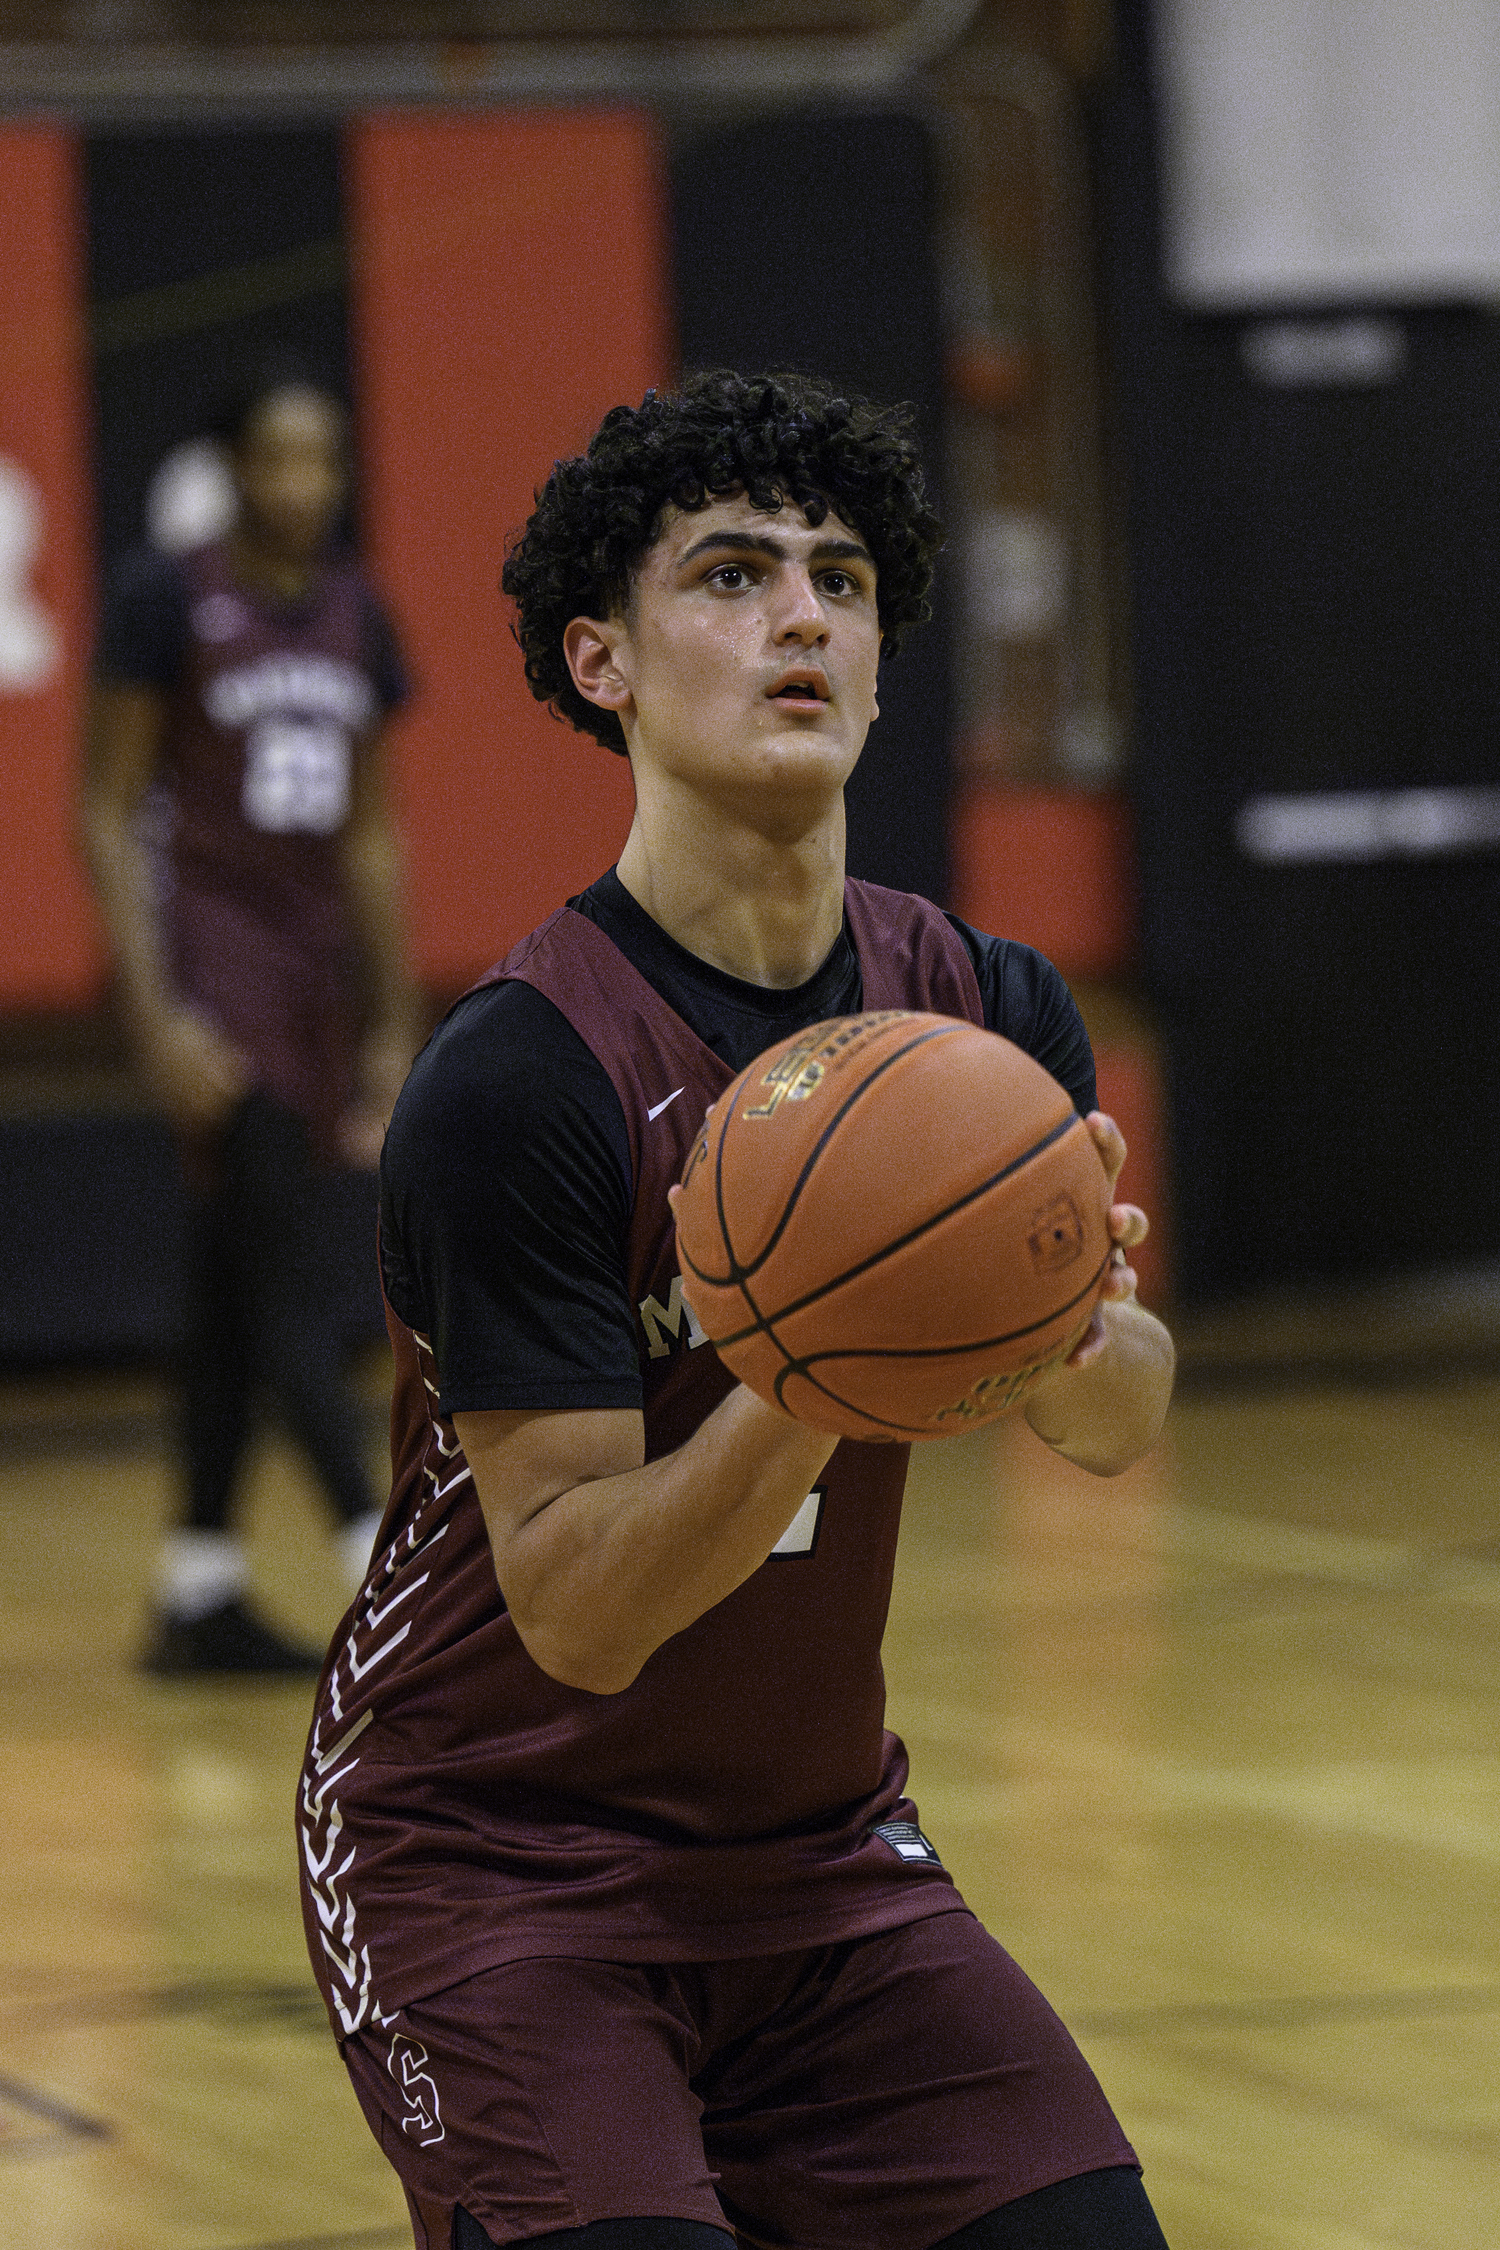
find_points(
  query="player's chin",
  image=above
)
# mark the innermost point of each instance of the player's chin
(811, 750)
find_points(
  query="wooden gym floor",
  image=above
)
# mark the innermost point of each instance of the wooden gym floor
(1212, 1749)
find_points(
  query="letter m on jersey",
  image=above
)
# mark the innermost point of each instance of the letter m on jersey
(663, 1320)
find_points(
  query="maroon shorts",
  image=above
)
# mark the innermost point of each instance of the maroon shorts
(882, 2093)
(288, 1008)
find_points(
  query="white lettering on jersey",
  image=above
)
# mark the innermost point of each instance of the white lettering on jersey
(662, 1320)
(314, 687)
(297, 777)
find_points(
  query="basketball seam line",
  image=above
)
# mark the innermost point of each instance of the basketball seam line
(898, 1429)
(738, 1274)
(942, 1351)
(887, 1250)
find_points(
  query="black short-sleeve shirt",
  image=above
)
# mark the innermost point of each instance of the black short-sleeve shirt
(146, 623)
(505, 1183)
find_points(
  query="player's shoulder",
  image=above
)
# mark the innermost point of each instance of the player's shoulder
(346, 579)
(495, 1071)
(906, 909)
(1021, 979)
(1027, 1000)
(342, 571)
(499, 1034)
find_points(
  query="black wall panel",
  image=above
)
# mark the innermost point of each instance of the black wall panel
(209, 254)
(807, 241)
(1315, 572)
(92, 1224)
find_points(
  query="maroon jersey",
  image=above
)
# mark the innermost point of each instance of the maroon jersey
(459, 1807)
(262, 730)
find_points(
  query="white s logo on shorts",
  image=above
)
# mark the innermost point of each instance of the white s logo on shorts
(408, 2066)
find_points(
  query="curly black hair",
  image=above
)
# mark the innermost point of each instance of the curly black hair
(776, 438)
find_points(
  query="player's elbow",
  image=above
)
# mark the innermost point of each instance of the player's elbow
(588, 1669)
(574, 1659)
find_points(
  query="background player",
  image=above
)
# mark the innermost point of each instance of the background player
(621, 1912)
(236, 829)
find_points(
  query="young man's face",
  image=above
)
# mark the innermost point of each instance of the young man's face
(748, 651)
(290, 472)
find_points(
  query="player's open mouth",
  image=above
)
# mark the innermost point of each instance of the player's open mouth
(803, 687)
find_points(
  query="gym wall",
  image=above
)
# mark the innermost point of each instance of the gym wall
(447, 270)
(452, 265)
(1315, 571)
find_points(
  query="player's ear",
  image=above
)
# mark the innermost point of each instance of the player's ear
(591, 646)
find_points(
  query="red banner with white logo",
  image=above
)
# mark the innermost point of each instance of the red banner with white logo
(50, 951)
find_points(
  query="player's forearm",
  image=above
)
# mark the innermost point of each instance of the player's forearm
(123, 888)
(1105, 1414)
(372, 880)
(604, 1574)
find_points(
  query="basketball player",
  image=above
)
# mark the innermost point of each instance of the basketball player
(623, 1918)
(238, 838)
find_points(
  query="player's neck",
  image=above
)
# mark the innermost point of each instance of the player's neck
(266, 568)
(767, 909)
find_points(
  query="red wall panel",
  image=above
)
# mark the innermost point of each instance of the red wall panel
(1052, 867)
(509, 285)
(50, 951)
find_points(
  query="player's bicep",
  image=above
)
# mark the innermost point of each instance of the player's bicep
(525, 1468)
(506, 1203)
(1026, 999)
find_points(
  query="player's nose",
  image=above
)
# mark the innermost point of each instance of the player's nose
(799, 615)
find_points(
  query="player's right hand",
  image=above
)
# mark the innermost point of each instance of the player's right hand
(195, 1072)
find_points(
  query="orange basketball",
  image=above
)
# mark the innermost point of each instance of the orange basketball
(890, 1223)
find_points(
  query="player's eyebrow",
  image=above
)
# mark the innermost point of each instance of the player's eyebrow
(762, 543)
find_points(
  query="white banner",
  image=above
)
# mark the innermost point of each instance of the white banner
(1322, 151)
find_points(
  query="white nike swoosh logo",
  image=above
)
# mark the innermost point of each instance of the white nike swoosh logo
(664, 1105)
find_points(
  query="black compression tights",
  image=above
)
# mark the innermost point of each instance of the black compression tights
(1097, 2211)
(257, 1314)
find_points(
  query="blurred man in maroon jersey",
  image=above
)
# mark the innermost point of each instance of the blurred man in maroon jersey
(236, 827)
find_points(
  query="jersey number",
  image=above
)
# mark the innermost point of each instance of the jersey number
(801, 1534)
(297, 774)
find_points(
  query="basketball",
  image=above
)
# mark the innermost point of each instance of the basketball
(891, 1223)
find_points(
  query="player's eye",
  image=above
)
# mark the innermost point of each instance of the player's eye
(730, 576)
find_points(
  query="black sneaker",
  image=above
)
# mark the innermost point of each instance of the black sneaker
(230, 1638)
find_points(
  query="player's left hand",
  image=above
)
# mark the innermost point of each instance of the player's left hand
(1128, 1225)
